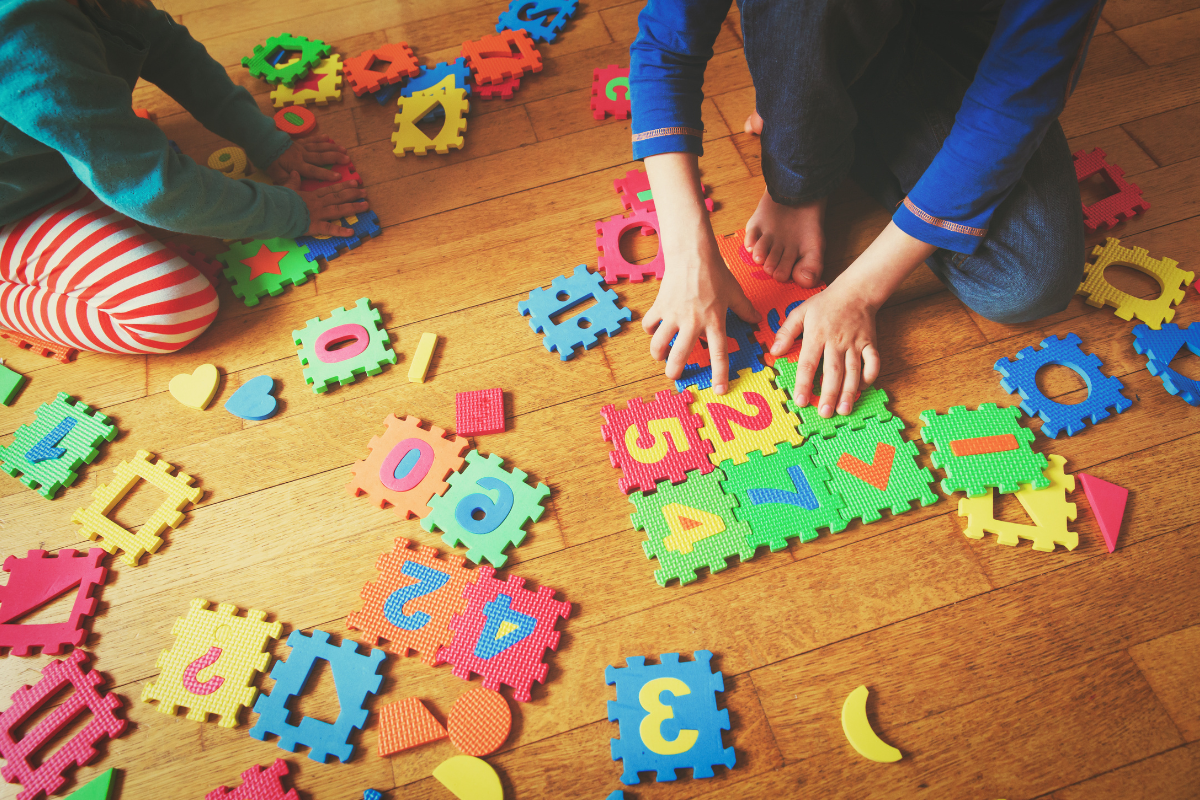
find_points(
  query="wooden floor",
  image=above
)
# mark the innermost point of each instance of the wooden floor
(999, 672)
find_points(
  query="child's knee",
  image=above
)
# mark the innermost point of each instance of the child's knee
(1040, 283)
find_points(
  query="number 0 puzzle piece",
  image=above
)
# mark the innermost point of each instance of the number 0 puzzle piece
(38, 579)
(1047, 507)
(78, 440)
(1125, 203)
(258, 784)
(752, 416)
(367, 354)
(656, 441)
(407, 466)
(211, 667)
(1098, 292)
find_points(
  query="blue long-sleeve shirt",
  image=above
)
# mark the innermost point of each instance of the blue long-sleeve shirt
(1020, 87)
(66, 116)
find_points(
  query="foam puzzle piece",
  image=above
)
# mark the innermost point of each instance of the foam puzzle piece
(27, 762)
(1020, 377)
(95, 524)
(479, 721)
(634, 192)
(504, 633)
(59, 352)
(689, 527)
(983, 448)
(253, 399)
(1047, 507)
(610, 92)
(365, 226)
(616, 794)
(492, 58)
(542, 19)
(1108, 505)
(480, 411)
(408, 137)
(387, 94)
(195, 389)
(10, 384)
(355, 675)
(643, 717)
(407, 466)
(608, 242)
(656, 441)
(783, 496)
(871, 404)
(744, 352)
(98, 788)
(469, 778)
(264, 267)
(432, 77)
(346, 173)
(38, 579)
(505, 499)
(503, 90)
(206, 266)
(409, 608)
(258, 784)
(873, 469)
(295, 121)
(79, 445)
(422, 356)
(309, 54)
(1098, 292)
(227, 648)
(1125, 203)
(321, 86)
(367, 355)
(232, 161)
(752, 416)
(401, 63)
(406, 724)
(565, 293)
(372, 794)
(1160, 347)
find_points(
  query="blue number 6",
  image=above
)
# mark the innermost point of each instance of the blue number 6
(494, 512)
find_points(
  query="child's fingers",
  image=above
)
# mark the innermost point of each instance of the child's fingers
(347, 194)
(344, 210)
(831, 383)
(851, 383)
(325, 191)
(660, 344)
(685, 342)
(329, 229)
(870, 364)
(807, 364)
(791, 328)
(718, 357)
(310, 170)
(652, 319)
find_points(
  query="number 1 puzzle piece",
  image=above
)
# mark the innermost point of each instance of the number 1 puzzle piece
(610, 92)
(564, 294)
(78, 440)
(1048, 508)
(507, 54)
(655, 441)
(1098, 292)
(258, 784)
(751, 416)
(1125, 203)
(211, 667)
(983, 448)
(38, 579)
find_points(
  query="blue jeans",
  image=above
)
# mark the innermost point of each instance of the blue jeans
(887, 78)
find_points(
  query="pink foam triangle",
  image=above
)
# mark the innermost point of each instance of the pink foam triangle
(1108, 504)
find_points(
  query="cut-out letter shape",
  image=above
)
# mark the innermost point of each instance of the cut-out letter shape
(860, 734)
(355, 676)
(983, 448)
(1108, 505)
(783, 496)
(655, 441)
(667, 717)
(1048, 508)
(40, 772)
(1098, 292)
(326, 364)
(80, 442)
(406, 724)
(690, 526)
(751, 417)
(38, 579)
(96, 525)
(479, 722)
(98, 788)
(565, 293)
(610, 92)
(407, 466)
(493, 637)
(410, 606)
(1125, 203)
(874, 469)
(258, 784)
(486, 508)
(507, 54)
(469, 778)
(212, 665)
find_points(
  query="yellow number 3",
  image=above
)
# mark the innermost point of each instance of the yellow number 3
(657, 713)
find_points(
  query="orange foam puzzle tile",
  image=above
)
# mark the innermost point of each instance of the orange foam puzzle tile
(479, 721)
(493, 59)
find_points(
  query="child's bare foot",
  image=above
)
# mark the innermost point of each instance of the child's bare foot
(789, 242)
(753, 124)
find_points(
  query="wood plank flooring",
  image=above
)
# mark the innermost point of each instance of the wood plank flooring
(999, 672)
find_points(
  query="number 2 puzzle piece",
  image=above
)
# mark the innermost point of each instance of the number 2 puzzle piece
(751, 416)
(27, 761)
(413, 109)
(355, 676)
(744, 352)
(47, 453)
(410, 607)
(486, 508)
(646, 721)
(655, 441)
(400, 63)
(609, 244)
(507, 54)
(36, 580)
(874, 469)
(407, 466)
(1098, 292)
(564, 294)
(367, 354)
(211, 667)
(983, 448)
(258, 784)
(504, 633)
(1125, 203)
(542, 19)
(1048, 508)
(871, 404)
(690, 526)
(1160, 347)
(266, 267)
(783, 495)
(610, 92)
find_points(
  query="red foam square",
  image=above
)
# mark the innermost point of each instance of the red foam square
(479, 412)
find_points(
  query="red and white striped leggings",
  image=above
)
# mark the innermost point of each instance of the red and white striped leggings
(79, 274)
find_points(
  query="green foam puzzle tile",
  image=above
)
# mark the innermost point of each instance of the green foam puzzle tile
(79, 445)
(266, 267)
(366, 355)
(983, 448)
(871, 405)
(10, 385)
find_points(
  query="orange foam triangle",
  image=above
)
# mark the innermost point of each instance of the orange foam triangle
(1108, 504)
(406, 724)
(689, 523)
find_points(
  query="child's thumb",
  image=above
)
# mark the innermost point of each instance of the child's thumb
(293, 181)
(742, 306)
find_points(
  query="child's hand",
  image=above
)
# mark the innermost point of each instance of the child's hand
(329, 204)
(306, 157)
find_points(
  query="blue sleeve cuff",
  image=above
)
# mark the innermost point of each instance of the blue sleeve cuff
(938, 232)
(667, 143)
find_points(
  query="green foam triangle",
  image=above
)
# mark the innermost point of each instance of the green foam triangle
(98, 789)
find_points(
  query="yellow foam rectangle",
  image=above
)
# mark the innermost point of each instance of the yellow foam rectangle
(421, 358)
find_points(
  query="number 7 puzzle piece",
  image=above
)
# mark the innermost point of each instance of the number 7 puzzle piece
(38, 579)
(1047, 507)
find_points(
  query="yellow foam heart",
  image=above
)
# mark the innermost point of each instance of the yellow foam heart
(196, 390)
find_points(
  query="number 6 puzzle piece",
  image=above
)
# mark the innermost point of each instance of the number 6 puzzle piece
(1047, 507)
(38, 579)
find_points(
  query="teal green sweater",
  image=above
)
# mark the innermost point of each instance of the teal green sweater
(66, 96)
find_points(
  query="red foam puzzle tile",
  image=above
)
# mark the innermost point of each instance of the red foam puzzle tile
(258, 784)
(479, 412)
(503, 89)
(608, 242)
(39, 578)
(634, 191)
(1108, 504)
(656, 441)
(59, 352)
(610, 92)
(1124, 204)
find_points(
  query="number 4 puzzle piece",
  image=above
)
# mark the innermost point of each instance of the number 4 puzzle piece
(1047, 507)
(38, 579)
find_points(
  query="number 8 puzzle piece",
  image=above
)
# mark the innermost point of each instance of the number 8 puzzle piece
(564, 294)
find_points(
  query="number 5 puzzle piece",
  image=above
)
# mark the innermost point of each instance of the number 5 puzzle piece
(1047, 507)
(655, 441)
(38, 579)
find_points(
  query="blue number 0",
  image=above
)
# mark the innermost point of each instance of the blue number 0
(428, 582)
(494, 513)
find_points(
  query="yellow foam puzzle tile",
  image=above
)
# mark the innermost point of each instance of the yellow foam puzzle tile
(752, 415)
(321, 85)
(1098, 292)
(413, 109)
(1048, 508)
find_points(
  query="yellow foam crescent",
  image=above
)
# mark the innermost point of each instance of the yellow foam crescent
(469, 778)
(858, 729)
